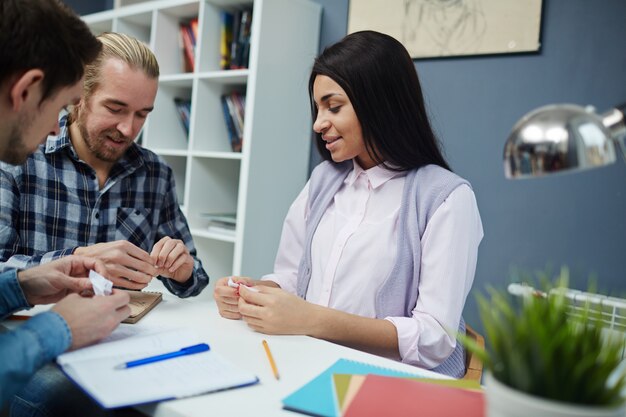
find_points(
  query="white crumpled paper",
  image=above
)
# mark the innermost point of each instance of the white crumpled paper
(101, 285)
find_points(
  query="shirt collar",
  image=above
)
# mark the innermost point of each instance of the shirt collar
(377, 175)
(56, 143)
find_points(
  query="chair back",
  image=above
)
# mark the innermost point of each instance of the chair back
(473, 364)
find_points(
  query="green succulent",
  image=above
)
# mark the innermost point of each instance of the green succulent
(535, 346)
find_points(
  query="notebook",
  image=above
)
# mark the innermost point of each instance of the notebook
(94, 369)
(317, 397)
(399, 397)
(347, 386)
(140, 303)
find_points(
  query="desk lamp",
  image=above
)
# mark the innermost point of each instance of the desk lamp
(563, 138)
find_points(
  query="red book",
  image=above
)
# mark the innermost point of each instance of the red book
(194, 29)
(188, 47)
(400, 397)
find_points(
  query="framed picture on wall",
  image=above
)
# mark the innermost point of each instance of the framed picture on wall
(443, 28)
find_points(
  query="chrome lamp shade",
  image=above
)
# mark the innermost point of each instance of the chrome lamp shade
(561, 138)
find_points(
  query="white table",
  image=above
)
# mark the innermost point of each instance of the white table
(298, 358)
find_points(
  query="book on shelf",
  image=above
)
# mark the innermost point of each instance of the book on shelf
(228, 218)
(235, 39)
(183, 107)
(194, 30)
(243, 52)
(226, 39)
(221, 229)
(189, 35)
(233, 106)
(223, 223)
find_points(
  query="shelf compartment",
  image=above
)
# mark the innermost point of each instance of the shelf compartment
(136, 25)
(216, 193)
(98, 27)
(167, 44)
(210, 133)
(179, 167)
(165, 129)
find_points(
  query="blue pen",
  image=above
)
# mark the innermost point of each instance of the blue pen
(190, 350)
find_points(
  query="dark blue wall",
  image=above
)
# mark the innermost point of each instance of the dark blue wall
(89, 6)
(577, 220)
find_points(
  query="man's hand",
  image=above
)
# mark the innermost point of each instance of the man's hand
(48, 283)
(125, 264)
(92, 319)
(172, 259)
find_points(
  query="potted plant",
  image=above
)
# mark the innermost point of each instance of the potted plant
(542, 361)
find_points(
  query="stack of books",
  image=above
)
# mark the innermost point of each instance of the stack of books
(233, 106)
(357, 389)
(224, 223)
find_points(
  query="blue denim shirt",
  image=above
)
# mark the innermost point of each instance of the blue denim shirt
(33, 344)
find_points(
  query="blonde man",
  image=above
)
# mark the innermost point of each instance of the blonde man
(92, 191)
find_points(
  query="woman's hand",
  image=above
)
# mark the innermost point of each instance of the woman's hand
(275, 311)
(227, 298)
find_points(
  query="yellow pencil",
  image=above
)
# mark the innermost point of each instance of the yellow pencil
(271, 359)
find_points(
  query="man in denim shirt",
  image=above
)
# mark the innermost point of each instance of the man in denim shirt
(43, 49)
(90, 190)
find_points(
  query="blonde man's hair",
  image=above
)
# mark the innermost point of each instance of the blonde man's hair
(127, 49)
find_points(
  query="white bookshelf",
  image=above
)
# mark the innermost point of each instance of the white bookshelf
(260, 182)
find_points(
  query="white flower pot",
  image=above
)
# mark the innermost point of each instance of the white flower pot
(503, 401)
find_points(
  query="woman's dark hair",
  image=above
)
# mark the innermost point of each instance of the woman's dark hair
(48, 35)
(379, 77)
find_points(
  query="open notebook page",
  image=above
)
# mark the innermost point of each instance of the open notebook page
(94, 370)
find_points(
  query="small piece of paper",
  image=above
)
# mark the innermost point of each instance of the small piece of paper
(234, 284)
(101, 285)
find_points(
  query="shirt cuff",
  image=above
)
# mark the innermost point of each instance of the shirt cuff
(190, 288)
(284, 284)
(179, 289)
(50, 335)
(12, 297)
(413, 334)
(408, 337)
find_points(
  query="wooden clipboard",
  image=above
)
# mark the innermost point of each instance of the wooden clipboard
(140, 303)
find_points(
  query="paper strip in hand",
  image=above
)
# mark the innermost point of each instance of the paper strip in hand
(101, 285)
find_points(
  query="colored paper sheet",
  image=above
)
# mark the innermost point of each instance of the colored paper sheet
(399, 397)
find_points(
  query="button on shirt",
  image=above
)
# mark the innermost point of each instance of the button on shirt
(53, 203)
(354, 249)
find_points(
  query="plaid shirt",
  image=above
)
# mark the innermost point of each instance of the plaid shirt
(53, 204)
